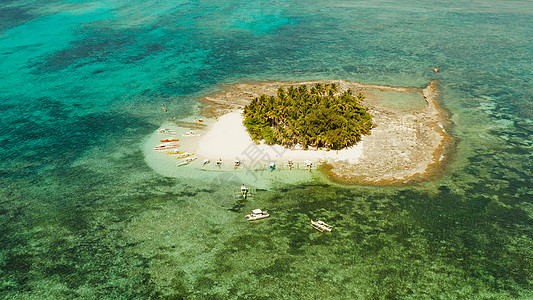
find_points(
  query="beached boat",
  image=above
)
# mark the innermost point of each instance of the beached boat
(166, 131)
(186, 161)
(321, 226)
(190, 133)
(175, 152)
(166, 146)
(257, 214)
(169, 140)
(184, 155)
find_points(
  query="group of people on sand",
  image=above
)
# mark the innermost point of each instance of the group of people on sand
(308, 164)
(272, 165)
(218, 163)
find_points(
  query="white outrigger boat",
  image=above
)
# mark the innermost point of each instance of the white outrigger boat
(321, 226)
(257, 214)
(166, 131)
(166, 146)
(190, 133)
(186, 161)
(175, 152)
(184, 155)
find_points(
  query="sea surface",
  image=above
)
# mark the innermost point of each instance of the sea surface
(83, 216)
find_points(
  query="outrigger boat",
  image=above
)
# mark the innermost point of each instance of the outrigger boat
(321, 226)
(257, 214)
(165, 147)
(184, 155)
(175, 152)
(169, 140)
(190, 133)
(187, 161)
(166, 131)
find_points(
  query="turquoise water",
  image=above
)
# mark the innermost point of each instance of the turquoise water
(83, 216)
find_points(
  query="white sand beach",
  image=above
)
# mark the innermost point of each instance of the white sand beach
(227, 139)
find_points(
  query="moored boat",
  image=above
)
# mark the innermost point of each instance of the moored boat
(321, 226)
(187, 161)
(169, 140)
(257, 214)
(190, 133)
(166, 131)
(175, 152)
(184, 155)
(166, 146)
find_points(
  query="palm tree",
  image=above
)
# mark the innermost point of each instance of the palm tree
(314, 116)
(334, 87)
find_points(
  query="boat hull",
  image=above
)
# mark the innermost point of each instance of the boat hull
(321, 226)
(253, 217)
(187, 161)
(165, 147)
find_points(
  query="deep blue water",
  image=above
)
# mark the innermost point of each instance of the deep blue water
(82, 215)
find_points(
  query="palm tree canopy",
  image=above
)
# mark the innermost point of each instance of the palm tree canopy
(319, 116)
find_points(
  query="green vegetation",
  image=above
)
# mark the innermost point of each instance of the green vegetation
(318, 117)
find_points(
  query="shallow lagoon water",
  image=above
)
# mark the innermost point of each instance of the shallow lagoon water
(83, 216)
(406, 102)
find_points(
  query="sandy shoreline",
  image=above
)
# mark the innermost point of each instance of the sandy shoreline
(407, 144)
(229, 140)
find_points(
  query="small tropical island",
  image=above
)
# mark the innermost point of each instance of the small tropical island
(319, 117)
(353, 132)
